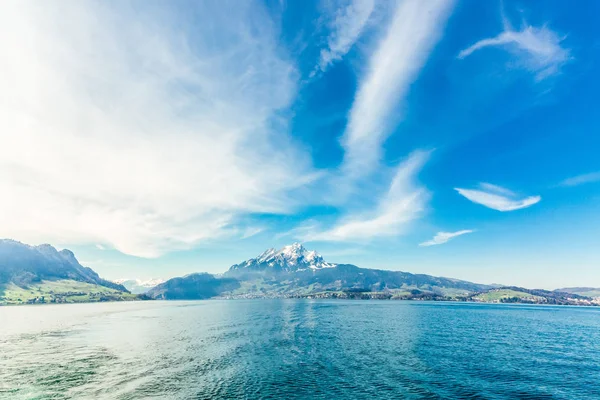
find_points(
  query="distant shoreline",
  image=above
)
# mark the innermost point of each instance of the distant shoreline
(418, 301)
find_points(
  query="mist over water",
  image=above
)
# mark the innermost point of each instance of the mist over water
(297, 349)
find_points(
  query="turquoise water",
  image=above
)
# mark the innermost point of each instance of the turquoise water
(296, 349)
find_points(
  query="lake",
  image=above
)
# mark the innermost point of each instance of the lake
(298, 349)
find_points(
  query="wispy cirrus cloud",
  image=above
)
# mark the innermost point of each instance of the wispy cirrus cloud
(252, 231)
(443, 237)
(497, 197)
(349, 21)
(403, 202)
(146, 129)
(539, 50)
(414, 29)
(399, 55)
(581, 179)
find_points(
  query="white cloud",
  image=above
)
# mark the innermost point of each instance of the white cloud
(123, 127)
(395, 64)
(538, 49)
(346, 27)
(582, 179)
(497, 198)
(443, 237)
(252, 231)
(404, 201)
(497, 189)
(100, 247)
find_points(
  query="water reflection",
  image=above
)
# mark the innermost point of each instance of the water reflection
(298, 349)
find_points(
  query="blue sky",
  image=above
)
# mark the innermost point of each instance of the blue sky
(156, 139)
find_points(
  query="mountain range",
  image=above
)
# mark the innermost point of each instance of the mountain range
(582, 291)
(42, 274)
(139, 286)
(294, 271)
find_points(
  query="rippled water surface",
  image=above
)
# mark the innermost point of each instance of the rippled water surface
(297, 349)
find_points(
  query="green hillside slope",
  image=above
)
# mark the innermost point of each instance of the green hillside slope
(59, 291)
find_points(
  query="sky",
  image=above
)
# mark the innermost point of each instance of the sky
(453, 138)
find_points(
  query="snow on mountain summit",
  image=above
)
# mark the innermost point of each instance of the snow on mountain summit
(139, 286)
(290, 258)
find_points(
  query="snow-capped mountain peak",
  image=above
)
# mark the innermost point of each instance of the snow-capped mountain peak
(138, 286)
(290, 258)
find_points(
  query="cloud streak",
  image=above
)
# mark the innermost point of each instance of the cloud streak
(404, 201)
(252, 231)
(538, 49)
(147, 129)
(444, 237)
(582, 179)
(346, 27)
(399, 56)
(497, 198)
